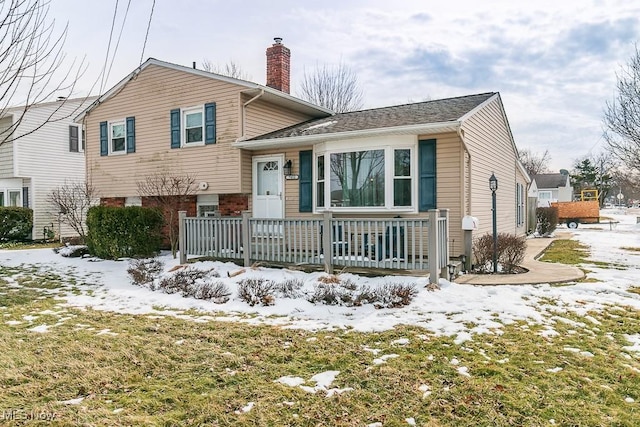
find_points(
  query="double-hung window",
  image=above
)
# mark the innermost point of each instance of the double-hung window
(116, 137)
(193, 126)
(117, 141)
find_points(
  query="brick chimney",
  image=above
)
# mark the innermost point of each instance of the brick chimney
(278, 60)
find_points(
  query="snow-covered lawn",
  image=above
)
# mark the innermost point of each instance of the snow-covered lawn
(453, 310)
(517, 355)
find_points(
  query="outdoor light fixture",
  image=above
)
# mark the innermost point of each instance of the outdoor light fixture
(493, 186)
(452, 270)
(463, 261)
(287, 167)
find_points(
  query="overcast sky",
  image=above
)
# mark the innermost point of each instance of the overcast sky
(554, 62)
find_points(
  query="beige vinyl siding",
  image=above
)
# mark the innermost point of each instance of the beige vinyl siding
(261, 118)
(149, 98)
(6, 151)
(450, 184)
(490, 144)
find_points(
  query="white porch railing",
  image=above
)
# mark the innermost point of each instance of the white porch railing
(399, 243)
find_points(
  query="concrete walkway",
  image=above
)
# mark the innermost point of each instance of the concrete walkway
(539, 272)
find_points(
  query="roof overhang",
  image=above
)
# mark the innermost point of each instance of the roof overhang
(270, 94)
(293, 141)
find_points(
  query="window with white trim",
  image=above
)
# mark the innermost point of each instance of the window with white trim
(380, 178)
(193, 125)
(117, 138)
(208, 205)
(402, 177)
(11, 197)
(320, 182)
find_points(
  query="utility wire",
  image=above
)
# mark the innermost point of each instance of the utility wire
(147, 34)
(113, 57)
(106, 59)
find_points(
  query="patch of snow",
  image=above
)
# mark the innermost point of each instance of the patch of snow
(29, 318)
(629, 399)
(411, 421)
(384, 358)
(13, 322)
(401, 341)
(179, 342)
(41, 329)
(376, 424)
(554, 370)
(75, 401)
(463, 370)
(107, 332)
(245, 409)
(118, 410)
(290, 381)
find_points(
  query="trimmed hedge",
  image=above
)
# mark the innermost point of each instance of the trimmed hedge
(124, 232)
(15, 223)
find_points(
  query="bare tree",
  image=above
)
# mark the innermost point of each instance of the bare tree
(534, 163)
(72, 202)
(622, 115)
(230, 69)
(170, 193)
(335, 88)
(31, 64)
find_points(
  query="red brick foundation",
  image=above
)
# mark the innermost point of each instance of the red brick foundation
(233, 204)
(117, 202)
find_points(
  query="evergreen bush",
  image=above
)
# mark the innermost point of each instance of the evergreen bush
(15, 223)
(124, 232)
(547, 220)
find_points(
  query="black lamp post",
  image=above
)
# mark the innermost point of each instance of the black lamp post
(493, 186)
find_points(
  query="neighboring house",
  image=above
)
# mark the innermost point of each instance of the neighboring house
(44, 158)
(238, 138)
(553, 187)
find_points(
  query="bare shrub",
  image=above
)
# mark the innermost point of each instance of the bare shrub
(144, 271)
(512, 253)
(365, 295)
(217, 292)
(483, 253)
(256, 291)
(509, 252)
(290, 288)
(394, 295)
(329, 279)
(183, 281)
(330, 292)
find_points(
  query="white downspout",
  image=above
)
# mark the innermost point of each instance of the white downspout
(242, 136)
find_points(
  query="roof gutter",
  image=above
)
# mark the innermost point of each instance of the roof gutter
(243, 113)
(316, 138)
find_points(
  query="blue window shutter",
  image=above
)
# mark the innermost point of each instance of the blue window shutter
(104, 139)
(25, 197)
(210, 123)
(305, 182)
(175, 128)
(427, 175)
(131, 134)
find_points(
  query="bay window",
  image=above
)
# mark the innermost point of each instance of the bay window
(375, 179)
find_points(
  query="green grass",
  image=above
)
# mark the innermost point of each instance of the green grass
(630, 249)
(176, 372)
(29, 245)
(566, 251)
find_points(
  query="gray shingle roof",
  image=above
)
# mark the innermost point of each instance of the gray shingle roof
(550, 180)
(437, 111)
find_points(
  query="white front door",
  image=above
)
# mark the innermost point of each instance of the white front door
(268, 187)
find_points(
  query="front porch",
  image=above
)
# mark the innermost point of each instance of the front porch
(419, 245)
